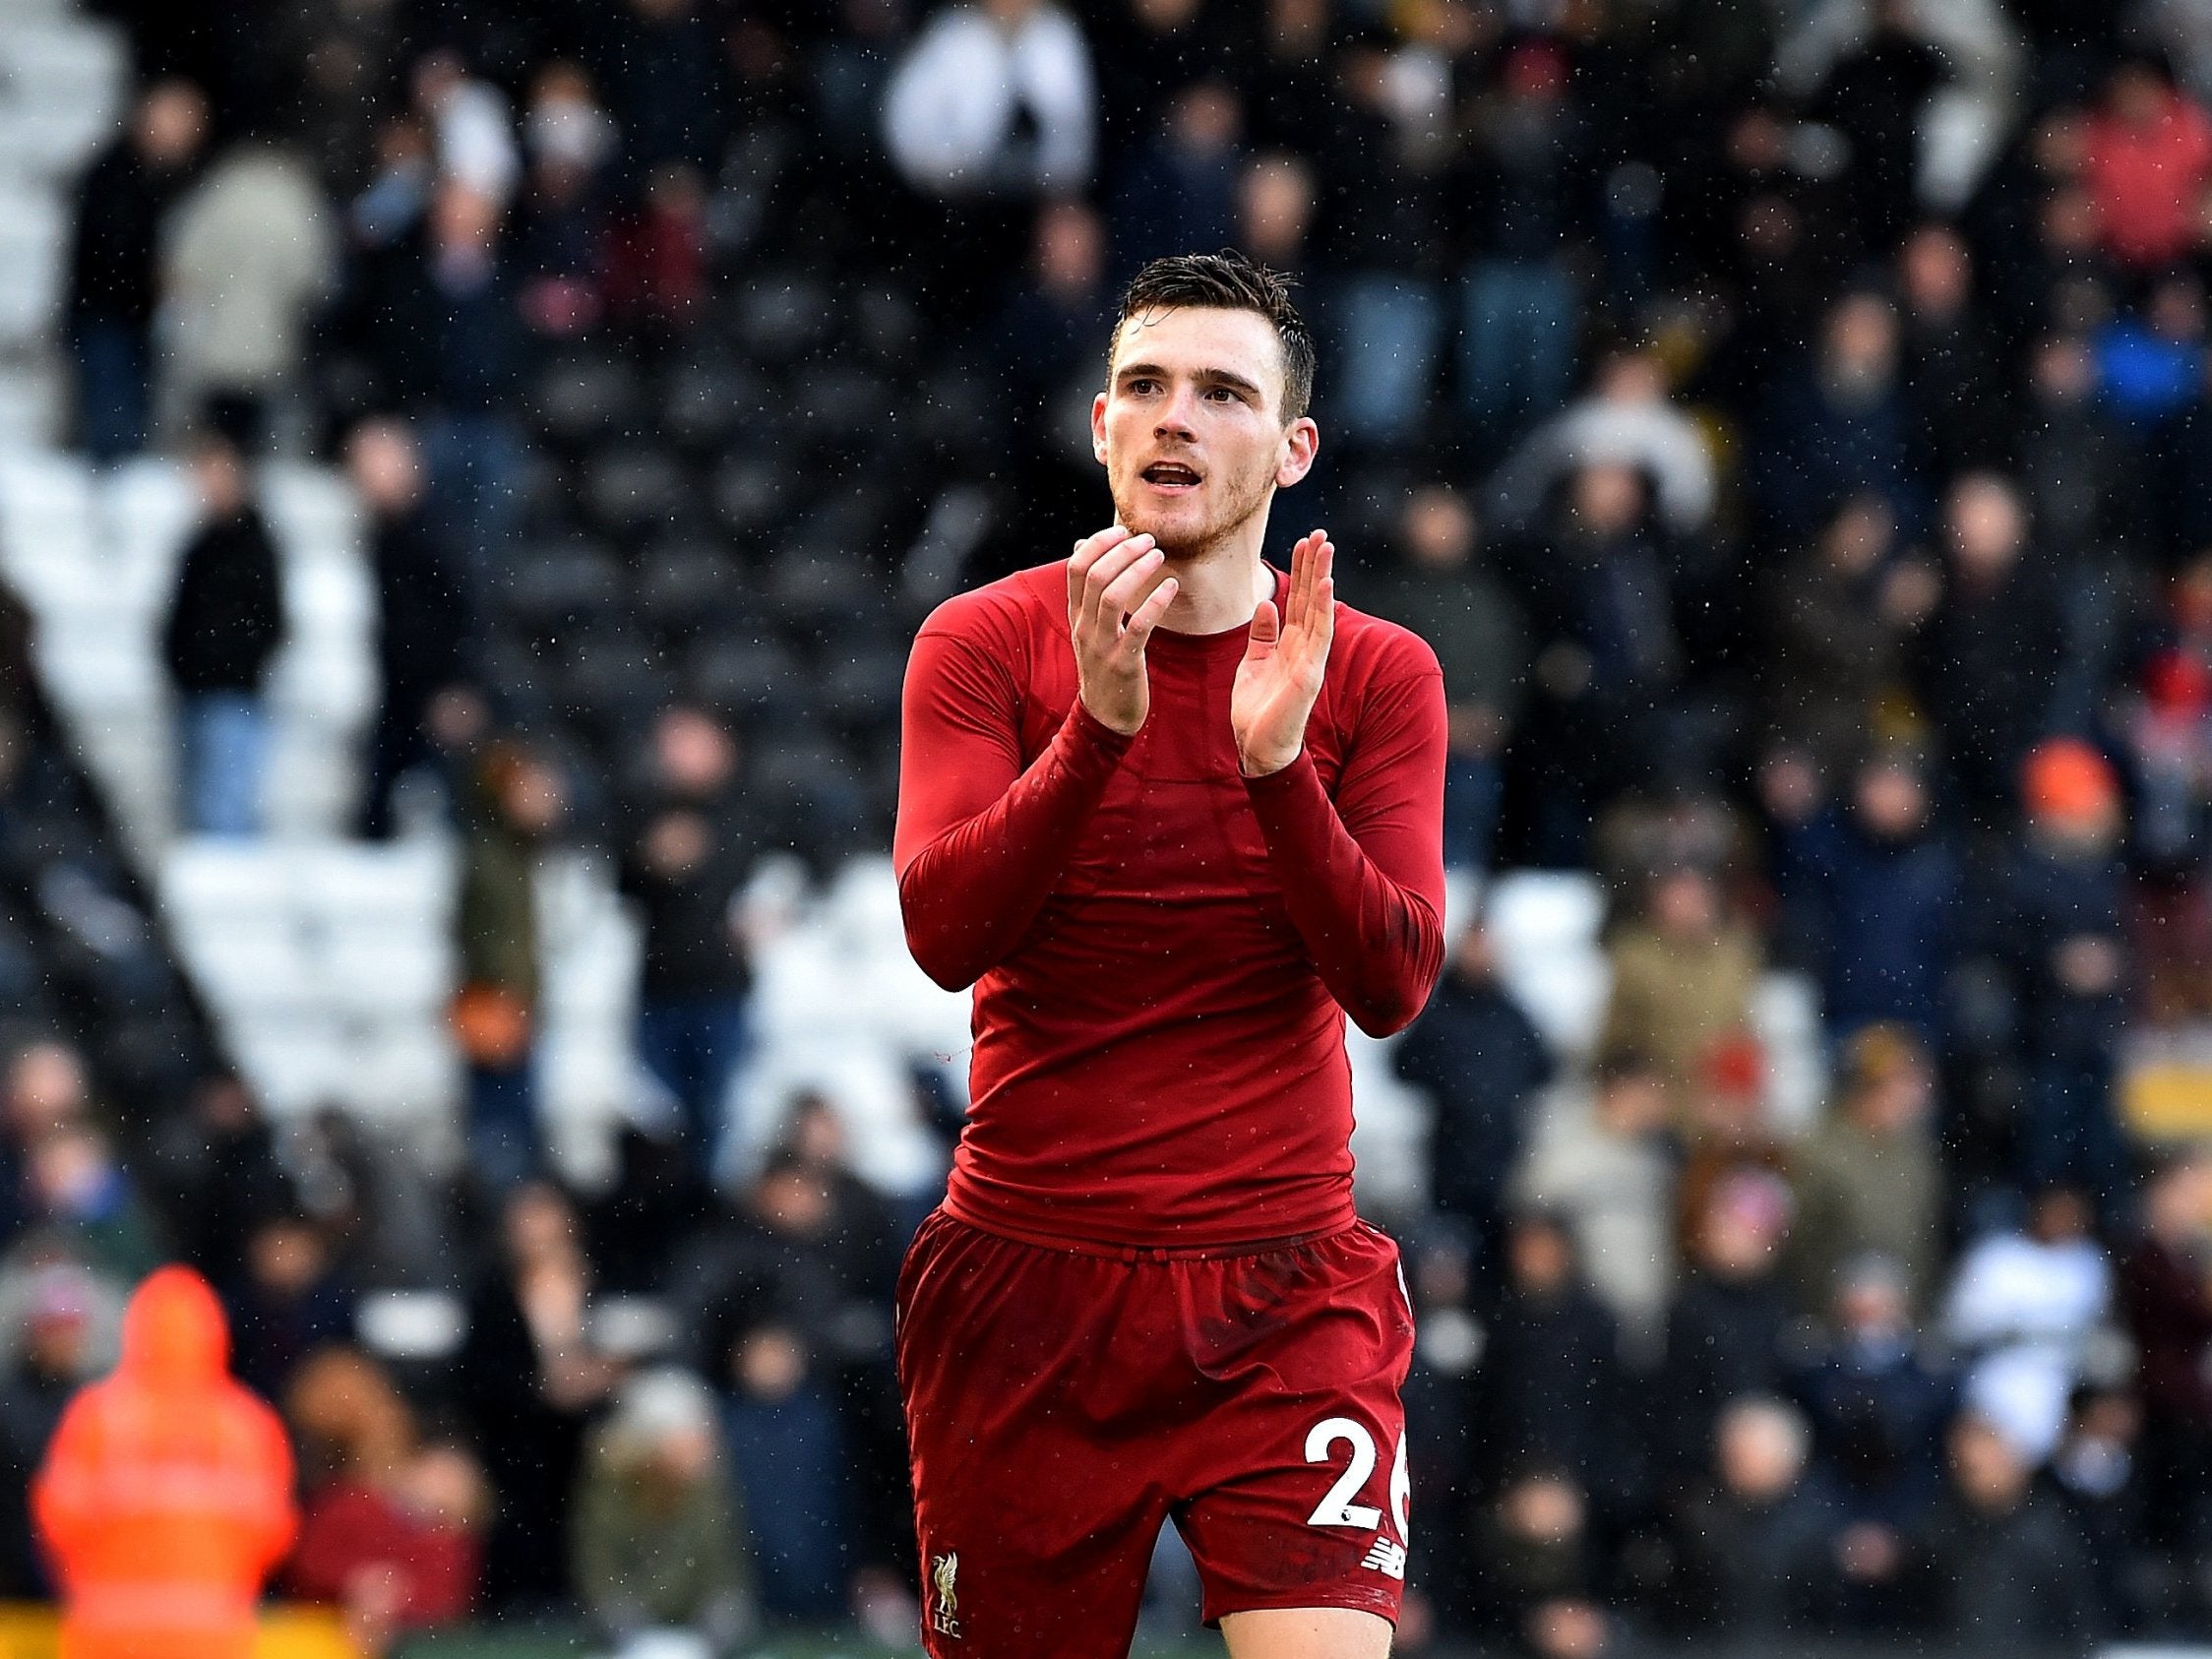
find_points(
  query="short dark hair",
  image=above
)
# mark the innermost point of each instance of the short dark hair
(1229, 282)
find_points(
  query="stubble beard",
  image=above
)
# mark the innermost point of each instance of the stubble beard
(1194, 546)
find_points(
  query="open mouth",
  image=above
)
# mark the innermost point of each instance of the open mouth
(1171, 475)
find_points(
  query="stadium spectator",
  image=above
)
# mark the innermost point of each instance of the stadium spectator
(248, 255)
(1386, 190)
(784, 1437)
(1876, 94)
(528, 1379)
(467, 119)
(1683, 976)
(1439, 1387)
(1050, 329)
(2004, 1570)
(1877, 1407)
(1869, 1177)
(1537, 1592)
(217, 1175)
(1551, 1386)
(1745, 227)
(797, 1319)
(171, 1562)
(48, 1086)
(559, 253)
(1831, 637)
(992, 106)
(1527, 170)
(1726, 1330)
(382, 1212)
(1179, 189)
(55, 1354)
(1608, 657)
(389, 1527)
(115, 278)
(655, 281)
(225, 623)
(663, 73)
(871, 1232)
(2099, 1476)
(2151, 361)
(1953, 373)
(2149, 158)
(2035, 231)
(1607, 1171)
(2167, 1303)
(1291, 72)
(2023, 1308)
(423, 620)
(1044, 344)
(2060, 937)
(2161, 730)
(46, 1090)
(1625, 419)
(685, 865)
(76, 1192)
(1881, 889)
(1985, 661)
(994, 98)
(657, 1206)
(1442, 589)
(2083, 484)
(1275, 210)
(1728, 1131)
(1145, 52)
(1836, 425)
(290, 1302)
(447, 330)
(657, 1541)
(1484, 1065)
(1754, 1543)
(516, 804)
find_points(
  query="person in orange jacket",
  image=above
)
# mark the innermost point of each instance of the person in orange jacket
(166, 1495)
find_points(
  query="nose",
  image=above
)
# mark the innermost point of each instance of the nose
(1177, 418)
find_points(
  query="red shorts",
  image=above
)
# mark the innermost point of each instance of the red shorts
(1061, 1404)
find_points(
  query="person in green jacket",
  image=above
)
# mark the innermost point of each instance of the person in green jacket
(514, 805)
(656, 1535)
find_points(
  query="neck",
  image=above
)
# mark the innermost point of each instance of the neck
(1220, 587)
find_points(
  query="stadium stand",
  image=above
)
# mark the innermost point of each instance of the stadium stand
(1787, 420)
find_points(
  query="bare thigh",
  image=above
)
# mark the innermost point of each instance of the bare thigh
(1306, 1633)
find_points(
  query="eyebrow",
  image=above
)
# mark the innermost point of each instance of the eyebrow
(1217, 377)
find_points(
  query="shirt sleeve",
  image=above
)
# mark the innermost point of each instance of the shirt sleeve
(1363, 874)
(981, 839)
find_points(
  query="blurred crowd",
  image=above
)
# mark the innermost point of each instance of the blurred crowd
(1788, 420)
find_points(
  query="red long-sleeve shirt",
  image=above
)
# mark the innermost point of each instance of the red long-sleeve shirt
(1163, 951)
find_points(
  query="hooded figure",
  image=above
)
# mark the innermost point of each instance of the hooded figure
(165, 1497)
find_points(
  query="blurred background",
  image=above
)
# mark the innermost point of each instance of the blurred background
(469, 471)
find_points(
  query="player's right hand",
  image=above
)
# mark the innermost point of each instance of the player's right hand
(1118, 590)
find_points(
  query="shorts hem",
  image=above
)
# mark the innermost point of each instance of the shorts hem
(1382, 1602)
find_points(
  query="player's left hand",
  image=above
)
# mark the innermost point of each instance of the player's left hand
(1280, 676)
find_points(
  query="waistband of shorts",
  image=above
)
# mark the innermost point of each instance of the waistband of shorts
(950, 1209)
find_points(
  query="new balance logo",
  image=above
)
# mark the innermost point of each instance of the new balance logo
(1387, 1557)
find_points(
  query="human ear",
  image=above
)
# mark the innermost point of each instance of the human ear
(1302, 441)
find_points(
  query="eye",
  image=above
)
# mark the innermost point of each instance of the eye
(1143, 388)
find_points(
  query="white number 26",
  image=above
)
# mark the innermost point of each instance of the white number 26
(1336, 1507)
